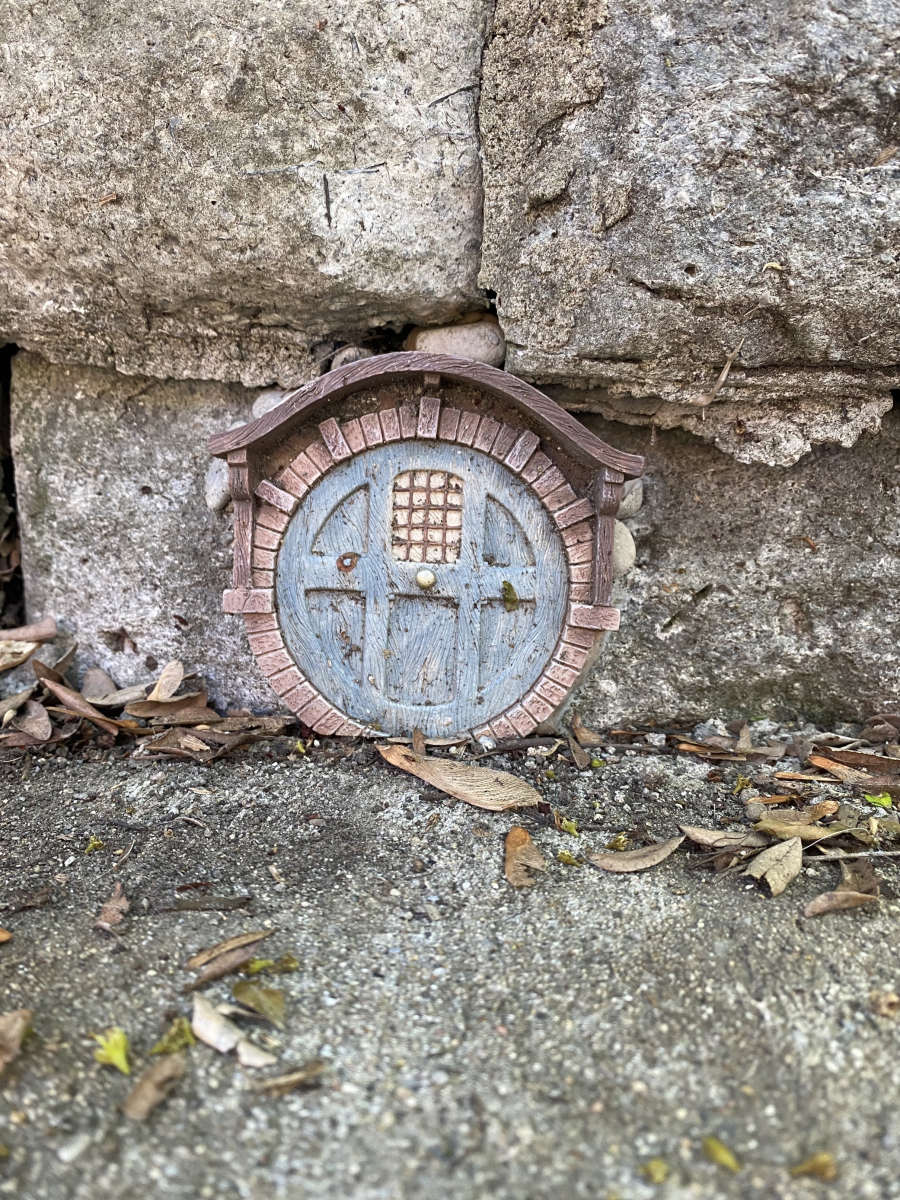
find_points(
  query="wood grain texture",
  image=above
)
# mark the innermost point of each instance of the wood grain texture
(607, 497)
(243, 543)
(577, 441)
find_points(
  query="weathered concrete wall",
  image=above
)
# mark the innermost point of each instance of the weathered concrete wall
(664, 181)
(216, 191)
(118, 543)
(730, 611)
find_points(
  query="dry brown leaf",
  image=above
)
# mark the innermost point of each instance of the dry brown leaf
(884, 1004)
(744, 744)
(13, 1027)
(224, 964)
(202, 957)
(120, 698)
(817, 1166)
(153, 1086)
(481, 786)
(162, 708)
(250, 1055)
(625, 861)
(169, 682)
(96, 682)
(280, 1085)
(12, 704)
(778, 865)
(829, 902)
(212, 1028)
(418, 741)
(784, 830)
(875, 763)
(268, 1002)
(114, 909)
(581, 758)
(585, 736)
(825, 808)
(5, 936)
(191, 716)
(522, 857)
(13, 654)
(858, 875)
(723, 839)
(34, 720)
(78, 704)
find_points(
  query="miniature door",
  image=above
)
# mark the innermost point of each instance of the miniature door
(424, 564)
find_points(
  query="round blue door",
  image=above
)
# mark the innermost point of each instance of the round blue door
(421, 584)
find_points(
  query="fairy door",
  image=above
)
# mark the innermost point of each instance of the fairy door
(419, 584)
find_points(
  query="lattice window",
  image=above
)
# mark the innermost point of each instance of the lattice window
(427, 517)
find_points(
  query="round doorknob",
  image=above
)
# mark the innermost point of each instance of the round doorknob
(425, 578)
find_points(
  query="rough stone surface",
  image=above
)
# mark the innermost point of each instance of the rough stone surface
(208, 192)
(762, 591)
(664, 181)
(118, 542)
(480, 1042)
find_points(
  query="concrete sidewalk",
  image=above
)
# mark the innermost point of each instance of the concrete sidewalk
(481, 1041)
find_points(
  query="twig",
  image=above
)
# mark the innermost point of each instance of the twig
(706, 398)
(838, 854)
(125, 855)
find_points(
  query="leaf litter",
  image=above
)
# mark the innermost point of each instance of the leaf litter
(13, 1027)
(522, 858)
(480, 786)
(153, 1086)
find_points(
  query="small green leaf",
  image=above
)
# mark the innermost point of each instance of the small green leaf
(619, 842)
(179, 1036)
(510, 599)
(550, 774)
(268, 1002)
(94, 843)
(742, 781)
(569, 859)
(281, 966)
(719, 1153)
(300, 747)
(598, 762)
(883, 799)
(656, 1170)
(113, 1050)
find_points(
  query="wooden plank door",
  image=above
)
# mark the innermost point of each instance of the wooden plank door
(389, 651)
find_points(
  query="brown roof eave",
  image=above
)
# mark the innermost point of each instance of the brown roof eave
(574, 438)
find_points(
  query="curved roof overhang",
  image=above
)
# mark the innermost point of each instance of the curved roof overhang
(306, 401)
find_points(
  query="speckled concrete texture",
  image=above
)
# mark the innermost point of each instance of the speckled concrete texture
(480, 1041)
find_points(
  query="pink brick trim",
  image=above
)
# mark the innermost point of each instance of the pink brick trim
(318, 452)
(429, 414)
(234, 599)
(548, 481)
(271, 518)
(567, 676)
(275, 496)
(260, 600)
(371, 429)
(265, 559)
(409, 420)
(390, 424)
(501, 729)
(306, 469)
(260, 622)
(487, 434)
(449, 424)
(573, 513)
(268, 539)
(300, 696)
(330, 721)
(468, 425)
(262, 643)
(521, 720)
(594, 616)
(262, 579)
(572, 656)
(353, 433)
(275, 661)
(577, 636)
(503, 442)
(539, 707)
(535, 467)
(525, 446)
(334, 440)
(559, 498)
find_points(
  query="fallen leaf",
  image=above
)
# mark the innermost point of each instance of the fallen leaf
(212, 1028)
(719, 1153)
(723, 839)
(161, 708)
(876, 763)
(13, 654)
(884, 1004)
(179, 1036)
(418, 741)
(94, 844)
(153, 1087)
(114, 909)
(5, 935)
(636, 860)
(619, 842)
(13, 1027)
(656, 1171)
(784, 830)
(39, 631)
(233, 943)
(120, 698)
(522, 857)
(825, 808)
(481, 786)
(565, 824)
(280, 1085)
(829, 902)
(858, 875)
(113, 1050)
(13, 703)
(78, 704)
(882, 799)
(250, 1055)
(96, 682)
(224, 964)
(581, 758)
(34, 720)
(569, 859)
(268, 1002)
(778, 865)
(744, 744)
(169, 681)
(584, 736)
(818, 1166)
(281, 966)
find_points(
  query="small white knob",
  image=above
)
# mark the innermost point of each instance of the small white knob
(426, 578)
